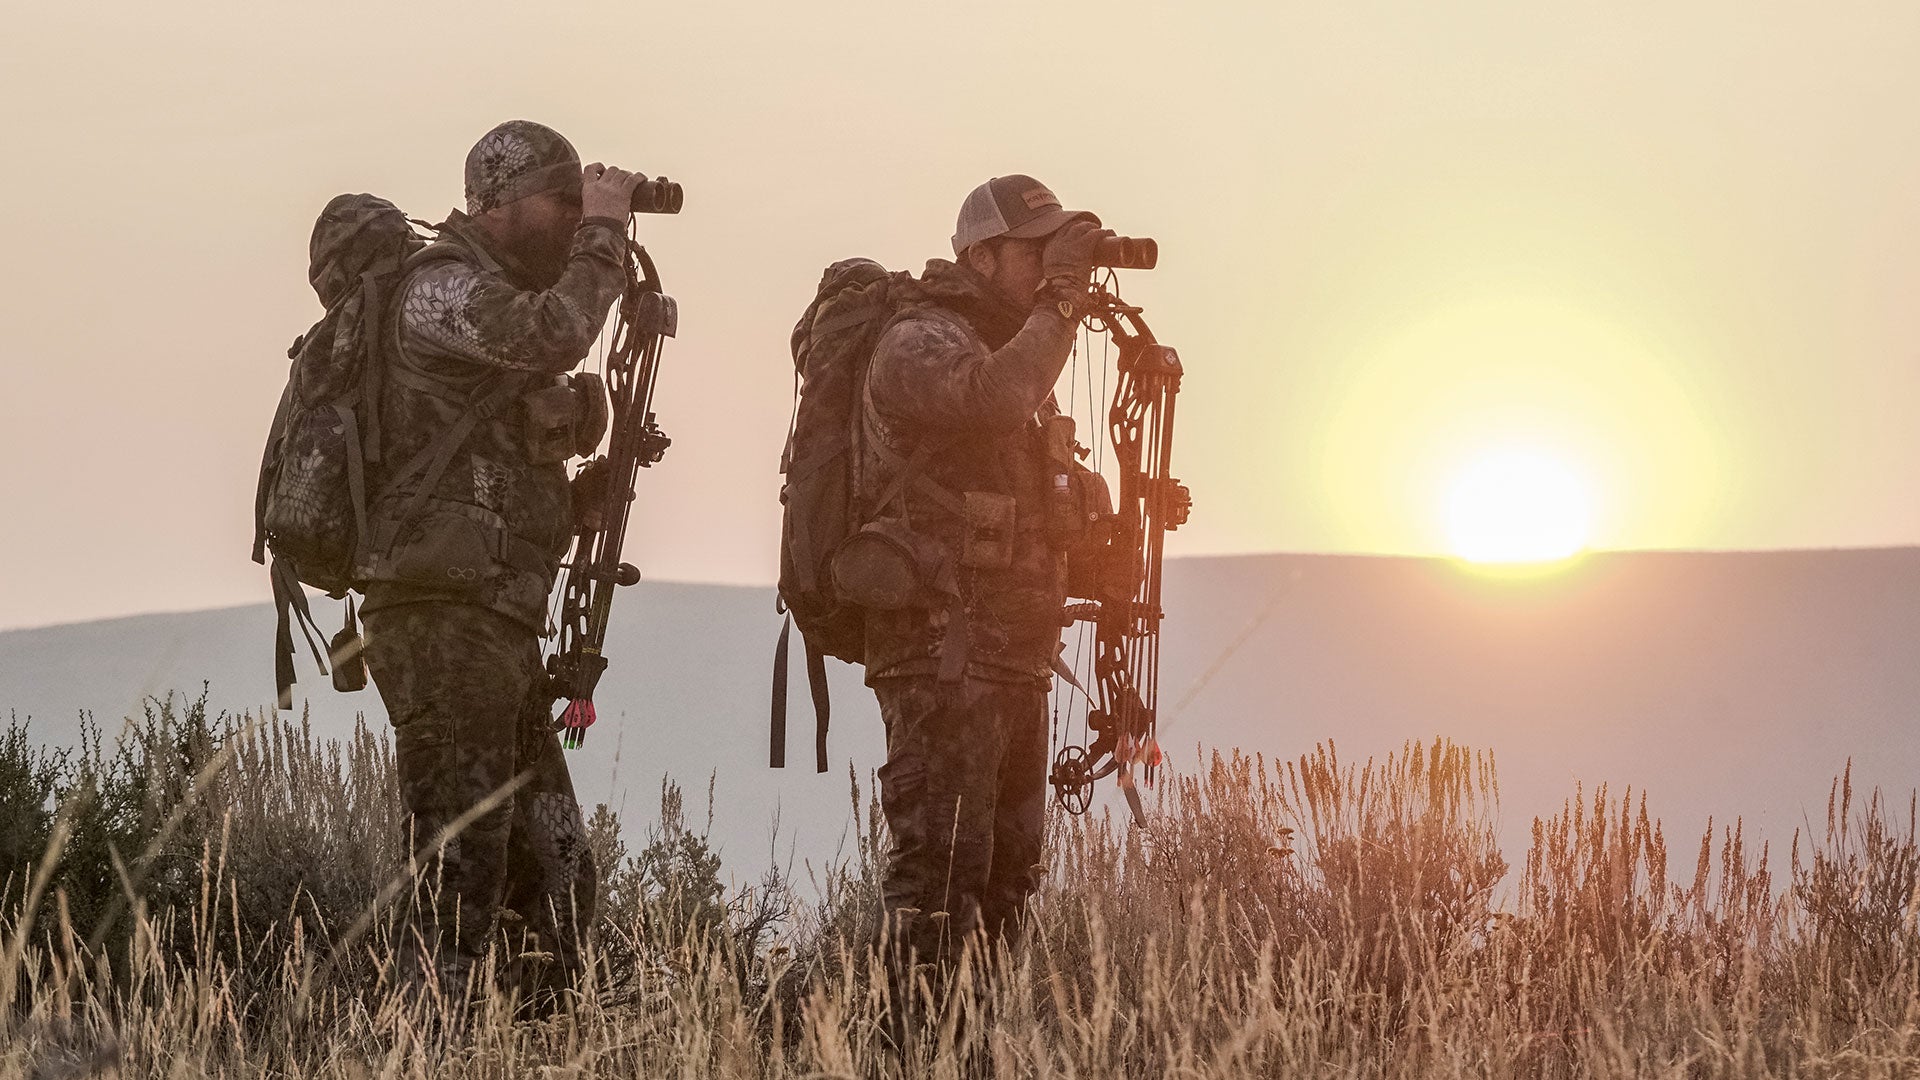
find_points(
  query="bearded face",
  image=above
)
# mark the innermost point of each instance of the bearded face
(536, 232)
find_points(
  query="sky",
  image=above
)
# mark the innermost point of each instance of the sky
(1668, 249)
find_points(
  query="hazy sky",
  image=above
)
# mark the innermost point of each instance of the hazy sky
(1674, 247)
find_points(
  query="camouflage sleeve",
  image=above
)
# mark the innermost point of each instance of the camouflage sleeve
(456, 310)
(932, 374)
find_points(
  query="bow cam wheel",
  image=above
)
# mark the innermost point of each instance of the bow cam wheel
(1072, 780)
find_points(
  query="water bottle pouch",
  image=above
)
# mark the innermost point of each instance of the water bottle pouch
(887, 566)
(549, 431)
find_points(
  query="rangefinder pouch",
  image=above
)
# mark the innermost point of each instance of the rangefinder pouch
(1095, 569)
(591, 414)
(565, 419)
(991, 523)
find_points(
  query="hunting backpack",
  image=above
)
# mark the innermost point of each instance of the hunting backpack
(322, 452)
(821, 498)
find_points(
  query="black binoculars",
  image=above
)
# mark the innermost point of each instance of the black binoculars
(1125, 252)
(658, 196)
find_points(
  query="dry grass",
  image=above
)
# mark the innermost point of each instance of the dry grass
(204, 902)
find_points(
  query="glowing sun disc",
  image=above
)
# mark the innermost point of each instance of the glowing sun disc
(1517, 507)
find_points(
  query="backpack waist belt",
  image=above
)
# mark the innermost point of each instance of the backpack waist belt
(520, 554)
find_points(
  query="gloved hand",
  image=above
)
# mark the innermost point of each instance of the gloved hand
(589, 496)
(1068, 256)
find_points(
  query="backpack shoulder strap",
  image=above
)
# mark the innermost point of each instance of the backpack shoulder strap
(434, 457)
(442, 249)
(910, 469)
(384, 295)
(482, 401)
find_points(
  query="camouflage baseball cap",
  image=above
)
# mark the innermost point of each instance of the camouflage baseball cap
(1011, 206)
(517, 159)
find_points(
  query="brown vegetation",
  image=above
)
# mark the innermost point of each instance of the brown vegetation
(209, 899)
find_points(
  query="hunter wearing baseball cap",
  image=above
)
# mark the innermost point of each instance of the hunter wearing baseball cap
(959, 414)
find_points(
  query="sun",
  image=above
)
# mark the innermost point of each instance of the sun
(1518, 506)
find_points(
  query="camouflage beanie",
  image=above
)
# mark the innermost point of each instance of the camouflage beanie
(517, 159)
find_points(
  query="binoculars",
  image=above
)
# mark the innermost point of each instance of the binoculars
(660, 196)
(1123, 252)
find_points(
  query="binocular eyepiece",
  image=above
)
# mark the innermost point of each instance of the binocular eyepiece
(658, 196)
(1125, 252)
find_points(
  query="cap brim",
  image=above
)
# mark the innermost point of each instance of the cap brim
(1049, 223)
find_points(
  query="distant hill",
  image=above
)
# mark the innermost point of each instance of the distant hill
(1723, 684)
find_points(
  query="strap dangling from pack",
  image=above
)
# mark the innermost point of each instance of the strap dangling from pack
(817, 686)
(349, 665)
(822, 707)
(777, 734)
(289, 600)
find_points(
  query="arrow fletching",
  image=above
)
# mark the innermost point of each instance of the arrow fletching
(575, 721)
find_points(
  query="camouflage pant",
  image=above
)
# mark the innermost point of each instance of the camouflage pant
(459, 682)
(964, 792)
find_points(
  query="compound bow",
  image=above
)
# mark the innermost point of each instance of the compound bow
(1122, 717)
(646, 317)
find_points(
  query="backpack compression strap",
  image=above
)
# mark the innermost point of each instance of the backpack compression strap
(267, 457)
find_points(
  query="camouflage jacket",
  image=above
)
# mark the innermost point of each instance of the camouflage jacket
(970, 376)
(467, 329)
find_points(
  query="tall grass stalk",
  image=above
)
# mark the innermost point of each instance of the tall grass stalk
(211, 896)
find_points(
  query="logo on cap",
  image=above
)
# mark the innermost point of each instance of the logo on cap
(1039, 197)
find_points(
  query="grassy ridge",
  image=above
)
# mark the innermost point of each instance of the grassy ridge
(206, 896)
